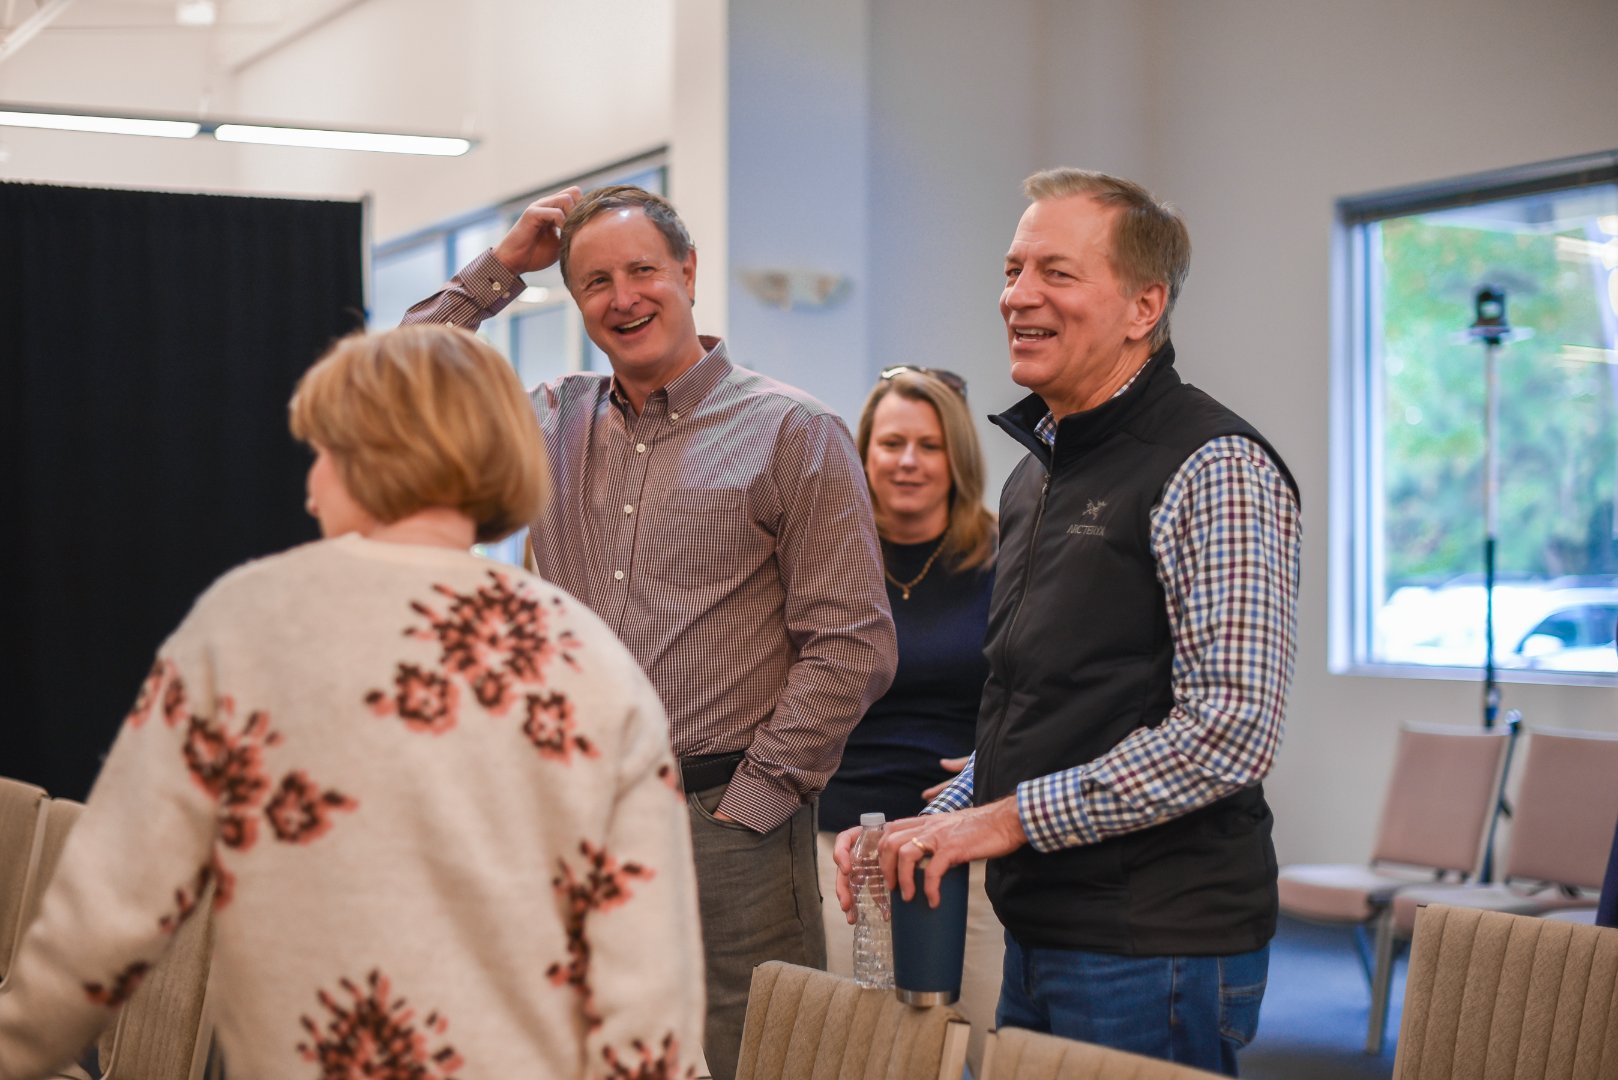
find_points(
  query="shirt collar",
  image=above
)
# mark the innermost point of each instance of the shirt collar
(1046, 428)
(686, 390)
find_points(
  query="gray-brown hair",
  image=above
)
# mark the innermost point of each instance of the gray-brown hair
(1150, 243)
(658, 210)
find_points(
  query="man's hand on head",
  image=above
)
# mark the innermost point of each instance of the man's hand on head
(535, 241)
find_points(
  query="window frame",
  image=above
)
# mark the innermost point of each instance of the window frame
(1354, 550)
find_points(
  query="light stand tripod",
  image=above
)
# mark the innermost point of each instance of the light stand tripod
(1490, 327)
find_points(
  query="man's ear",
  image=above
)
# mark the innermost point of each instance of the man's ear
(688, 270)
(1149, 305)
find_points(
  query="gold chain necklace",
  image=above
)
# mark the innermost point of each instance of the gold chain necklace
(904, 587)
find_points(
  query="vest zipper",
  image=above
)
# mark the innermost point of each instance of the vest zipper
(1028, 576)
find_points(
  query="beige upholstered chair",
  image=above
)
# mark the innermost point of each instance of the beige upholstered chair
(20, 806)
(1015, 1054)
(59, 816)
(804, 1024)
(1492, 996)
(1440, 800)
(1561, 833)
(163, 1032)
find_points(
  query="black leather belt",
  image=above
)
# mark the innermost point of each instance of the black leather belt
(703, 771)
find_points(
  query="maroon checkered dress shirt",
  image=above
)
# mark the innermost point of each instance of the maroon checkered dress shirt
(725, 534)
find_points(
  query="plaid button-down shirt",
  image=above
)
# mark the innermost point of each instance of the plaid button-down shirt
(1225, 537)
(725, 535)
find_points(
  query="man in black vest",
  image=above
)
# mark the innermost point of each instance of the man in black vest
(1141, 643)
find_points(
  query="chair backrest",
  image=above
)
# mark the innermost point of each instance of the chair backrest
(59, 814)
(1491, 996)
(1015, 1054)
(1443, 791)
(20, 806)
(164, 1030)
(804, 1024)
(1607, 911)
(1565, 809)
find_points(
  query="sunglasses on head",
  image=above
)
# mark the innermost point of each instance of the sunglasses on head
(948, 378)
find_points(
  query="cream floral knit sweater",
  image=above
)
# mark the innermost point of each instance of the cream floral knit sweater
(435, 797)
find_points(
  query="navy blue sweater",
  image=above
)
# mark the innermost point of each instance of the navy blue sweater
(931, 710)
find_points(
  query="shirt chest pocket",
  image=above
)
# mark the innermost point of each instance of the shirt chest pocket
(703, 536)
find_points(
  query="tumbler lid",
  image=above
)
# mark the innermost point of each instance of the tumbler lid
(873, 820)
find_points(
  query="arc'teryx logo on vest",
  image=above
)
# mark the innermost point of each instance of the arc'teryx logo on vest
(1092, 511)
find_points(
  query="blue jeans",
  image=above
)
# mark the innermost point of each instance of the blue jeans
(1194, 1010)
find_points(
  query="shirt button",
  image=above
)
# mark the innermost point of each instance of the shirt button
(628, 509)
(617, 575)
(640, 448)
(674, 416)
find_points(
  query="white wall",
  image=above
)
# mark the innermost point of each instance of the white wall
(796, 178)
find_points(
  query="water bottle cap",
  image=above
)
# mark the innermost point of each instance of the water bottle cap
(872, 820)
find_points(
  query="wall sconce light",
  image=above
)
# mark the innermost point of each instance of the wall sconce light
(787, 289)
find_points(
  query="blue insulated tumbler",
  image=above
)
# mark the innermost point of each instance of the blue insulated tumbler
(929, 944)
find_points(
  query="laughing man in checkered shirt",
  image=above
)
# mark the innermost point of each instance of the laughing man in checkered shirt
(1141, 644)
(718, 521)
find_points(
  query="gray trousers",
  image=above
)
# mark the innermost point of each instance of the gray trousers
(760, 900)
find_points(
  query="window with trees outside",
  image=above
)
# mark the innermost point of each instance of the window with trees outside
(541, 332)
(1518, 272)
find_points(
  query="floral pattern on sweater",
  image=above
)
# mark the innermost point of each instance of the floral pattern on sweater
(372, 1033)
(497, 641)
(645, 1063)
(603, 885)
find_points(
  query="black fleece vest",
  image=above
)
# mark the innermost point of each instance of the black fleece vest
(1080, 656)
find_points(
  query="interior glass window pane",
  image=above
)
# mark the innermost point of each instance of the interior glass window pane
(509, 550)
(472, 240)
(403, 277)
(1555, 257)
(539, 344)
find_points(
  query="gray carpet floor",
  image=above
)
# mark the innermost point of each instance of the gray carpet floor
(1312, 1025)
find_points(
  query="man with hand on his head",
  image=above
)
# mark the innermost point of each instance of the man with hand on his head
(718, 521)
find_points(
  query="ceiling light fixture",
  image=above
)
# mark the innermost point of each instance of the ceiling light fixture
(236, 131)
(376, 141)
(105, 125)
(195, 12)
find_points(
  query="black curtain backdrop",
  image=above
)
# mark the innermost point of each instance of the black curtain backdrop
(148, 345)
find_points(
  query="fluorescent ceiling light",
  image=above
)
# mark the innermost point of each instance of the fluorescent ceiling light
(107, 125)
(238, 132)
(342, 140)
(195, 13)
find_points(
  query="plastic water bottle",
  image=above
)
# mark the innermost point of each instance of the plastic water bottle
(873, 932)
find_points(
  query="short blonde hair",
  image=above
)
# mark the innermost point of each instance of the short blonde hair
(426, 416)
(1150, 243)
(969, 538)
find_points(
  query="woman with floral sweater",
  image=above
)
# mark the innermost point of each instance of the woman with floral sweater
(432, 795)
